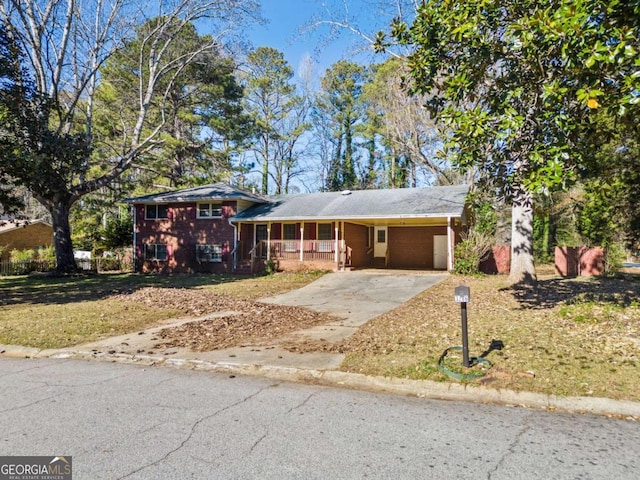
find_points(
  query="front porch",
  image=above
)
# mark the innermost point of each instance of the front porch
(340, 245)
(303, 254)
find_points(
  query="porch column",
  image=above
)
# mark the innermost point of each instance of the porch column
(269, 241)
(449, 245)
(337, 232)
(302, 241)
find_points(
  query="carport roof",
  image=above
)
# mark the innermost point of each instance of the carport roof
(425, 202)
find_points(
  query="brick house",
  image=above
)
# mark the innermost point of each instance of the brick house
(219, 228)
(24, 235)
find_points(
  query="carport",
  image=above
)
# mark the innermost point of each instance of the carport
(407, 228)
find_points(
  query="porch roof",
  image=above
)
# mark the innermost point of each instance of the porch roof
(425, 202)
(214, 191)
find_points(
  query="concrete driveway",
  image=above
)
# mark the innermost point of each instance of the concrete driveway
(358, 296)
(352, 297)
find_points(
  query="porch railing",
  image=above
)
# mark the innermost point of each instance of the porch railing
(303, 250)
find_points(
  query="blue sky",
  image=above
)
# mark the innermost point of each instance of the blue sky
(287, 17)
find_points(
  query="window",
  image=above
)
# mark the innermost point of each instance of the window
(324, 237)
(382, 236)
(210, 210)
(289, 231)
(209, 253)
(324, 231)
(155, 251)
(153, 212)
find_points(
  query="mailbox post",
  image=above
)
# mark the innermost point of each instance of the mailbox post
(462, 296)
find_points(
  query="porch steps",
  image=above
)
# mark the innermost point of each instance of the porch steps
(378, 262)
(243, 268)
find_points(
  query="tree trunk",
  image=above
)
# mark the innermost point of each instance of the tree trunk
(65, 262)
(523, 270)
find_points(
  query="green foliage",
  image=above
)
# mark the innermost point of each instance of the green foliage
(32, 260)
(23, 255)
(474, 247)
(614, 256)
(340, 100)
(597, 221)
(46, 254)
(197, 108)
(279, 113)
(271, 267)
(518, 85)
(484, 216)
(118, 232)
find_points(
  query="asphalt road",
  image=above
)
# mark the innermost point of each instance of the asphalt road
(122, 421)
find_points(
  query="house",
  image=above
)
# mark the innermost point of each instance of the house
(219, 228)
(24, 235)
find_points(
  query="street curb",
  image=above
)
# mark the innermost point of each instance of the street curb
(333, 378)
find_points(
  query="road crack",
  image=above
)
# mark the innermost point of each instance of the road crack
(511, 449)
(42, 400)
(257, 442)
(193, 430)
(301, 404)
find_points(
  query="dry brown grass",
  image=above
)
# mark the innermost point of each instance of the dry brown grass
(566, 337)
(49, 312)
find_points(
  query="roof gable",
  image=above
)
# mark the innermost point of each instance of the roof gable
(10, 225)
(214, 191)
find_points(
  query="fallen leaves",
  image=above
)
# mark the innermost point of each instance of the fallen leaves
(251, 322)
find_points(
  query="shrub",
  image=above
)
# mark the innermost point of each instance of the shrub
(474, 247)
(23, 255)
(614, 256)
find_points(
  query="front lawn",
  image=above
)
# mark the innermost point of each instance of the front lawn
(566, 337)
(57, 312)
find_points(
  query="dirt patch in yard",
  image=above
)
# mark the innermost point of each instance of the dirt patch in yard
(252, 323)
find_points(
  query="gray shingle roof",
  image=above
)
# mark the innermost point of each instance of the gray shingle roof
(391, 203)
(215, 191)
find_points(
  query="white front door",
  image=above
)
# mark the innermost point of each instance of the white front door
(380, 242)
(440, 252)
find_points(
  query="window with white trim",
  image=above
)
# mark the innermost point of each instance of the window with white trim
(156, 211)
(209, 253)
(155, 251)
(210, 210)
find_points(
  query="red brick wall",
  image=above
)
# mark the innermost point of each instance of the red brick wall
(412, 247)
(181, 232)
(356, 237)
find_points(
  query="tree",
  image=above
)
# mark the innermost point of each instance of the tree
(62, 157)
(202, 109)
(280, 115)
(404, 124)
(517, 83)
(342, 87)
(10, 73)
